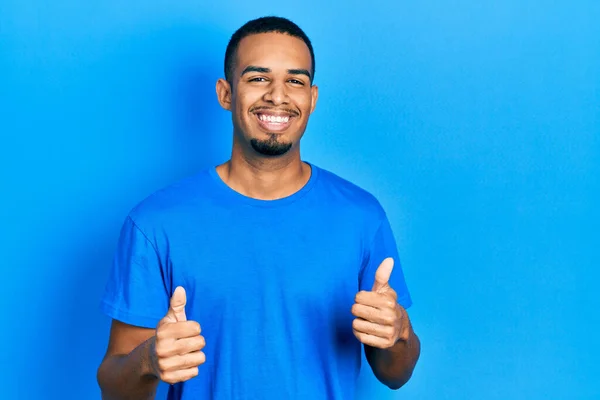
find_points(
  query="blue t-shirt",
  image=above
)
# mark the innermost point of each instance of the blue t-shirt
(271, 283)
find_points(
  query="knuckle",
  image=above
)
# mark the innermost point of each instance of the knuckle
(161, 333)
(160, 351)
(390, 333)
(390, 303)
(162, 366)
(388, 319)
(192, 327)
(168, 378)
(197, 328)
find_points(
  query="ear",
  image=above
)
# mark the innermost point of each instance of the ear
(314, 93)
(224, 93)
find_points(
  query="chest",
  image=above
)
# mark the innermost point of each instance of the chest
(283, 258)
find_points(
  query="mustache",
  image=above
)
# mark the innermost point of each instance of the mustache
(286, 110)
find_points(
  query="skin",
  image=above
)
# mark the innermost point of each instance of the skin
(271, 76)
(391, 346)
(138, 358)
(277, 88)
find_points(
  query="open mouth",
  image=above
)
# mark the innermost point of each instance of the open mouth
(274, 122)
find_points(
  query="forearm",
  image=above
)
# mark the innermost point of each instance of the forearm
(128, 376)
(394, 366)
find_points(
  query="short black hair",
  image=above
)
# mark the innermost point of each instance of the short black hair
(264, 25)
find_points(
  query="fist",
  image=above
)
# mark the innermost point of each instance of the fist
(177, 349)
(380, 321)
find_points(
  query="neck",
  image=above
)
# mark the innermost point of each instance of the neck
(265, 178)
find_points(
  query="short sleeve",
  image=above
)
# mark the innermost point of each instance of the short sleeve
(136, 292)
(382, 246)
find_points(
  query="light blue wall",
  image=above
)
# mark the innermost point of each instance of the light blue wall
(477, 124)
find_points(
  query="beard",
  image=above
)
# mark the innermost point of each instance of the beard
(270, 147)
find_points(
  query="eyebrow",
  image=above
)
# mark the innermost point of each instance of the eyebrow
(263, 70)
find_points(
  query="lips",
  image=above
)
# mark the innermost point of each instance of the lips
(274, 122)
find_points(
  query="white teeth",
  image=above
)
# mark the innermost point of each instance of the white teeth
(274, 119)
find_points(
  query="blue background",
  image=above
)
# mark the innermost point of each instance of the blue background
(476, 123)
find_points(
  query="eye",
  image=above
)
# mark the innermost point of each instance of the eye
(296, 82)
(257, 79)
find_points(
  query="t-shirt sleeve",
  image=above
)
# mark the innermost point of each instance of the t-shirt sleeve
(382, 246)
(136, 292)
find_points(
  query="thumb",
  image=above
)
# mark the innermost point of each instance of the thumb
(176, 311)
(383, 273)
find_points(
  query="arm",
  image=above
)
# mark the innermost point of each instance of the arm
(394, 366)
(138, 358)
(391, 346)
(382, 324)
(126, 370)
(134, 297)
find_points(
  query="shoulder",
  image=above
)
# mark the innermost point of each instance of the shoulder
(341, 192)
(174, 200)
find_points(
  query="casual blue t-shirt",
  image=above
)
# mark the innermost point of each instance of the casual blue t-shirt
(271, 282)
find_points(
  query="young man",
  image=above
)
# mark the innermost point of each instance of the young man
(261, 277)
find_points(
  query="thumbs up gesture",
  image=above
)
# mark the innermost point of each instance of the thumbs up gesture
(176, 353)
(380, 321)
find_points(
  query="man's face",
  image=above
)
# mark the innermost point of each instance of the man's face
(270, 97)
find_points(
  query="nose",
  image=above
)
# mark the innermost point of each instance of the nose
(276, 94)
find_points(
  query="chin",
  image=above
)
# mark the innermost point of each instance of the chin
(271, 145)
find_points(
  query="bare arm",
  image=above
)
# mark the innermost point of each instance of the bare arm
(138, 358)
(126, 371)
(391, 346)
(394, 366)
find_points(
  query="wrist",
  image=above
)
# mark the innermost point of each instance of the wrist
(149, 366)
(404, 333)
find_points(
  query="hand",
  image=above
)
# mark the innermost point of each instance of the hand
(176, 353)
(380, 321)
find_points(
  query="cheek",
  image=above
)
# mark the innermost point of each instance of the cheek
(250, 95)
(304, 103)
(243, 104)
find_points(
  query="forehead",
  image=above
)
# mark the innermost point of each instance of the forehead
(273, 50)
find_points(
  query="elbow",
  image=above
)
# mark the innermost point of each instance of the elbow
(101, 375)
(395, 384)
(105, 375)
(404, 374)
(100, 372)
(396, 380)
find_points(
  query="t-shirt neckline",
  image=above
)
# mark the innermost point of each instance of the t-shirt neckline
(232, 194)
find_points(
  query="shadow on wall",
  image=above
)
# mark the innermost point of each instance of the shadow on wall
(77, 332)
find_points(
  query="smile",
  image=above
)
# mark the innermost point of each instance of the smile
(272, 122)
(273, 118)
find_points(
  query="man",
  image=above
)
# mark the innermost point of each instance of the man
(261, 277)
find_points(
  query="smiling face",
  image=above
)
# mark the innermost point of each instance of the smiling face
(270, 94)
